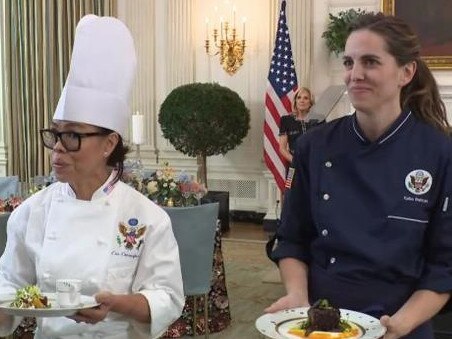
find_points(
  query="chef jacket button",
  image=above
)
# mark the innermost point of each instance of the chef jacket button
(325, 232)
(101, 241)
(107, 203)
(326, 196)
(332, 260)
(51, 236)
(328, 164)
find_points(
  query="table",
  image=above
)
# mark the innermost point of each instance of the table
(218, 302)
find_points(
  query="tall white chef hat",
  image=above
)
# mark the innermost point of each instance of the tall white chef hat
(101, 75)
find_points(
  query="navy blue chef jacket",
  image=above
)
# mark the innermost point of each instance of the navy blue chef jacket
(373, 220)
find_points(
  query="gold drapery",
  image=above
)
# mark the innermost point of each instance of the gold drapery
(37, 47)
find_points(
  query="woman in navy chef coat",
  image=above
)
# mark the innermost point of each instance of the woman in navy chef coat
(368, 225)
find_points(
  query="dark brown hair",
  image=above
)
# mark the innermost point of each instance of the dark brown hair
(421, 95)
(117, 157)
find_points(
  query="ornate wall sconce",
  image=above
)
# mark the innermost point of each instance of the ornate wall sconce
(227, 44)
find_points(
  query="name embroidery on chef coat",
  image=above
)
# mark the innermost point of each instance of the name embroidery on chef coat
(418, 181)
(130, 238)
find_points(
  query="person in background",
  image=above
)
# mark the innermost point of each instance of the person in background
(296, 124)
(368, 225)
(89, 225)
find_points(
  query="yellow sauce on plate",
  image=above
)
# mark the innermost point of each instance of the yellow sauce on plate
(354, 332)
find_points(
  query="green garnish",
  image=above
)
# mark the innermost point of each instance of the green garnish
(30, 297)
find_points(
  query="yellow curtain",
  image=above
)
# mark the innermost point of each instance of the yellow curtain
(37, 49)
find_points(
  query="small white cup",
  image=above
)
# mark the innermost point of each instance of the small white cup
(68, 292)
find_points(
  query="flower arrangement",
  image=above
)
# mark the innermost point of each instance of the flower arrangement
(166, 188)
(9, 204)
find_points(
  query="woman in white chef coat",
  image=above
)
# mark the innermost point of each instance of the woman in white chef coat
(89, 225)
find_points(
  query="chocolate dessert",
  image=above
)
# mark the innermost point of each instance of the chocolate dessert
(322, 316)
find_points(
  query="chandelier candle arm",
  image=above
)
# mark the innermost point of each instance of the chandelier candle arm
(227, 43)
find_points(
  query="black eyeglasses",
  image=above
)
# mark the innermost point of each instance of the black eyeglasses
(71, 141)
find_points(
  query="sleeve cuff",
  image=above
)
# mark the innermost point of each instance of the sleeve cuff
(163, 312)
(284, 249)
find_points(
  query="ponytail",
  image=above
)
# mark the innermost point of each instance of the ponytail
(422, 97)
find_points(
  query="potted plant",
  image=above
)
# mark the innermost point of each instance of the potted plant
(204, 119)
(337, 30)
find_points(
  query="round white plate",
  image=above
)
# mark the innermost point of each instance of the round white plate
(277, 325)
(54, 311)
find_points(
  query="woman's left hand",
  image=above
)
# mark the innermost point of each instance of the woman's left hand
(394, 328)
(96, 314)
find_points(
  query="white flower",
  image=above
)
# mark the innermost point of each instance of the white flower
(173, 185)
(165, 184)
(152, 187)
(159, 174)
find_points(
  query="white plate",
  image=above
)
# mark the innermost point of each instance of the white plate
(54, 311)
(277, 325)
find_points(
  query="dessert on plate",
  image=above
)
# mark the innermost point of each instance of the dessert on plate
(324, 322)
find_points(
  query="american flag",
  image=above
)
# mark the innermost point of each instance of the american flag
(281, 87)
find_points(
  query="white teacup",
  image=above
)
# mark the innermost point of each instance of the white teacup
(68, 292)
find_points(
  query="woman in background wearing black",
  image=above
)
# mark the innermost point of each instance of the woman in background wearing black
(292, 126)
(295, 124)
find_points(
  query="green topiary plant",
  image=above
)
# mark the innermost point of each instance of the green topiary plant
(337, 29)
(204, 119)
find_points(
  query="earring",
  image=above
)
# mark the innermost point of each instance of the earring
(105, 154)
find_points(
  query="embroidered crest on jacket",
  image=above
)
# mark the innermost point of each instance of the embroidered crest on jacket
(131, 234)
(418, 181)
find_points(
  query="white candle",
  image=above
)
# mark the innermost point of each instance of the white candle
(207, 28)
(233, 15)
(243, 27)
(138, 129)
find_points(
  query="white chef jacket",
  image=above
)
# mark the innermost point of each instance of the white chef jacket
(120, 241)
